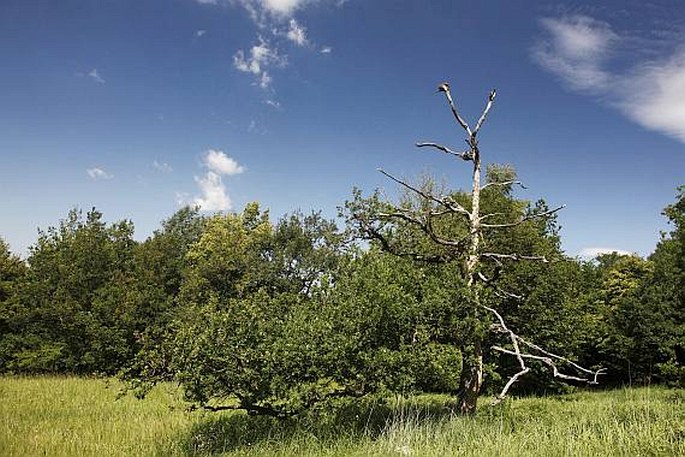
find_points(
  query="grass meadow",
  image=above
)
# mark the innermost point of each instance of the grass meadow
(61, 416)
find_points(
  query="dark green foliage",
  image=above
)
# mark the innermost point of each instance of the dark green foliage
(12, 273)
(644, 307)
(70, 313)
(247, 326)
(276, 318)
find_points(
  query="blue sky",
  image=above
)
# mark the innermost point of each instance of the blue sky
(137, 107)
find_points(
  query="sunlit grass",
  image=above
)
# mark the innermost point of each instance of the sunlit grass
(81, 417)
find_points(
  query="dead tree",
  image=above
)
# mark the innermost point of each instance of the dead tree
(475, 258)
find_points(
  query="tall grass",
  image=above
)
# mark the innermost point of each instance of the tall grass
(61, 416)
(81, 417)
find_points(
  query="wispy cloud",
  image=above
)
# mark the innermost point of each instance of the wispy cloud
(97, 173)
(274, 20)
(261, 57)
(650, 92)
(214, 194)
(200, 33)
(273, 103)
(576, 50)
(95, 75)
(592, 252)
(162, 166)
(296, 33)
(653, 95)
(256, 128)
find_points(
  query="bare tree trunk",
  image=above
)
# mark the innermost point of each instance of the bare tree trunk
(471, 378)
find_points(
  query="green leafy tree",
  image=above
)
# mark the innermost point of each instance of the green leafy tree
(70, 318)
(248, 327)
(644, 307)
(12, 273)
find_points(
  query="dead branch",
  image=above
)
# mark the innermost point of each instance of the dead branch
(515, 257)
(504, 183)
(479, 124)
(525, 218)
(445, 87)
(464, 155)
(386, 246)
(446, 201)
(489, 215)
(425, 226)
(565, 360)
(547, 358)
(499, 292)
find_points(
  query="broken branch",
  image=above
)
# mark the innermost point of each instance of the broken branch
(491, 99)
(464, 155)
(525, 218)
(547, 359)
(445, 87)
(445, 201)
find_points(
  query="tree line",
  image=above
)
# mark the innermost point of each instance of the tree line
(276, 316)
(445, 291)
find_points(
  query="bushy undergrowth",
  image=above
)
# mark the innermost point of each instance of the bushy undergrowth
(76, 416)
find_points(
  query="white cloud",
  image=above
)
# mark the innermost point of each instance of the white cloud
(650, 92)
(183, 198)
(219, 162)
(591, 253)
(576, 51)
(261, 57)
(274, 20)
(296, 33)
(654, 96)
(273, 103)
(96, 173)
(326, 50)
(96, 76)
(199, 33)
(284, 7)
(214, 195)
(265, 80)
(162, 166)
(259, 8)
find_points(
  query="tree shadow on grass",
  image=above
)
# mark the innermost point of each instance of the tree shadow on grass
(344, 418)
